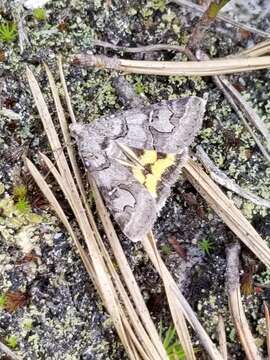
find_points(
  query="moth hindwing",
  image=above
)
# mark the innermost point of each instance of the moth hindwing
(135, 156)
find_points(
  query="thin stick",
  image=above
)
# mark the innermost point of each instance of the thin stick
(149, 244)
(259, 49)
(267, 320)
(207, 18)
(201, 9)
(236, 306)
(226, 209)
(222, 337)
(241, 107)
(143, 49)
(223, 180)
(165, 68)
(234, 105)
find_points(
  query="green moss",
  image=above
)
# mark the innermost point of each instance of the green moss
(248, 209)
(21, 203)
(20, 192)
(12, 341)
(158, 5)
(8, 32)
(40, 14)
(3, 301)
(139, 88)
(27, 324)
(166, 249)
(23, 206)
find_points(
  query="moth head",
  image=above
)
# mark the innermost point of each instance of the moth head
(89, 147)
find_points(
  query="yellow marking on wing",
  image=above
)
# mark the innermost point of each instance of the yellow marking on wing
(151, 183)
(138, 174)
(148, 157)
(161, 165)
(157, 166)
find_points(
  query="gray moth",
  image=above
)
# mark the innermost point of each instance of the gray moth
(135, 183)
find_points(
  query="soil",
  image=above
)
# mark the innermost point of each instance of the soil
(60, 315)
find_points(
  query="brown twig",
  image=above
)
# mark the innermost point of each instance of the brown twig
(222, 179)
(167, 68)
(225, 208)
(267, 320)
(228, 20)
(204, 22)
(241, 107)
(143, 49)
(222, 338)
(235, 303)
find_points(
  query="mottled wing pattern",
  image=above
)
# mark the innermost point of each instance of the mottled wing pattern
(160, 134)
(157, 172)
(167, 127)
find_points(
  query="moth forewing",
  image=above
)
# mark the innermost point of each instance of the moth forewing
(135, 157)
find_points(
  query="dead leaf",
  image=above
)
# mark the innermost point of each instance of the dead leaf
(247, 283)
(31, 256)
(179, 249)
(15, 300)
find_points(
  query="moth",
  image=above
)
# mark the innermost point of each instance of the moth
(135, 157)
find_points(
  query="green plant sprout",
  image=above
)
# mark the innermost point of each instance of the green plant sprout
(8, 32)
(39, 14)
(20, 192)
(206, 246)
(215, 7)
(23, 206)
(12, 341)
(172, 345)
(166, 249)
(3, 301)
(27, 324)
(21, 202)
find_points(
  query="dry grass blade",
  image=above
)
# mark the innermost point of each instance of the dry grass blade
(222, 179)
(149, 335)
(259, 49)
(267, 321)
(63, 83)
(128, 275)
(222, 338)
(66, 182)
(47, 192)
(234, 105)
(227, 211)
(191, 68)
(140, 342)
(236, 306)
(174, 295)
(88, 264)
(177, 300)
(248, 111)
